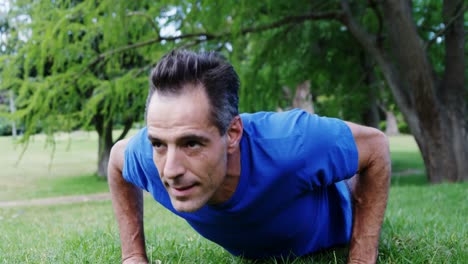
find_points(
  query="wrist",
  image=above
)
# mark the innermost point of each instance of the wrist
(135, 259)
(361, 257)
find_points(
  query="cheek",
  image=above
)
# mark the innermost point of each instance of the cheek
(206, 165)
(218, 165)
(159, 163)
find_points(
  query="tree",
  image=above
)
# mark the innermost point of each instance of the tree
(433, 103)
(94, 54)
(66, 75)
(421, 57)
(84, 64)
(9, 42)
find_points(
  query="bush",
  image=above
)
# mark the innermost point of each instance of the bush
(5, 127)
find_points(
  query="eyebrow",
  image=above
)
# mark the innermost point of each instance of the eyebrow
(183, 138)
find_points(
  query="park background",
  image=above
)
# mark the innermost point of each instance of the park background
(74, 79)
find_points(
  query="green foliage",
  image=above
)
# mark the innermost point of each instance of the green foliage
(65, 78)
(5, 124)
(5, 127)
(78, 62)
(84, 64)
(402, 125)
(321, 51)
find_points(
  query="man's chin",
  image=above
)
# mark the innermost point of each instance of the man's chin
(186, 206)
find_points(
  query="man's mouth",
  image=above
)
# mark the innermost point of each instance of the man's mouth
(182, 191)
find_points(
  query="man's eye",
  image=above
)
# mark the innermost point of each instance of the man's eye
(157, 144)
(192, 144)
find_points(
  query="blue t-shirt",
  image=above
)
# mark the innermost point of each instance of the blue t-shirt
(291, 199)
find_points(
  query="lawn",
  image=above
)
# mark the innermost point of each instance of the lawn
(45, 172)
(423, 223)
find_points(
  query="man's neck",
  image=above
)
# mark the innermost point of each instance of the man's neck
(233, 172)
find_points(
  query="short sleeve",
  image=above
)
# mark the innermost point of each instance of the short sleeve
(138, 164)
(329, 151)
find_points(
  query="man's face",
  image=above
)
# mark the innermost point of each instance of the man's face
(188, 151)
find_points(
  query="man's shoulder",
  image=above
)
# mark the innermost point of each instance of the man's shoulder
(137, 141)
(137, 160)
(269, 115)
(117, 154)
(273, 124)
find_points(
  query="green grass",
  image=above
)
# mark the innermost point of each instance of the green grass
(407, 163)
(38, 173)
(423, 224)
(43, 171)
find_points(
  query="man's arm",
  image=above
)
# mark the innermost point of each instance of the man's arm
(127, 201)
(369, 192)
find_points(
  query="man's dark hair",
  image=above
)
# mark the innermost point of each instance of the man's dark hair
(181, 67)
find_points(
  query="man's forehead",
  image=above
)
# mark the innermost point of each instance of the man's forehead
(181, 89)
(165, 135)
(192, 103)
(178, 114)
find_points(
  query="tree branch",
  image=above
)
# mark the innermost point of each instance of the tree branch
(151, 21)
(102, 56)
(127, 126)
(204, 36)
(442, 30)
(373, 4)
(452, 90)
(143, 69)
(389, 71)
(336, 15)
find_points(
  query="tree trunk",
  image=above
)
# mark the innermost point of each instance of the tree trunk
(448, 162)
(13, 110)
(104, 128)
(392, 125)
(452, 90)
(105, 143)
(303, 97)
(440, 130)
(371, 115)
(434, 110)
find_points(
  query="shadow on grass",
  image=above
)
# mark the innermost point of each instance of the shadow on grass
(74, 185)
(408, 169)
(409, 180)
(333, 255)
(410, 160)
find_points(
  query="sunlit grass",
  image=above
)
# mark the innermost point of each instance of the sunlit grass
(423, 223)
(73, 156)
(45, 170)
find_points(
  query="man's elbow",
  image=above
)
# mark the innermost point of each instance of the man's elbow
(116, 161)
(381, 157)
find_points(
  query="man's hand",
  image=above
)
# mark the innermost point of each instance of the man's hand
(135, 260)
(369, 193)
(139, 260)
(127, 201)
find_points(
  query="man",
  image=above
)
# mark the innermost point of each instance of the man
(260, 185)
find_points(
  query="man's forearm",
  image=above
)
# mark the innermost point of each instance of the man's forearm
(370, 193)
(129, 216)
(127, 201)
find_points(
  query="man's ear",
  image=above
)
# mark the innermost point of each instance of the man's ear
(234, 134)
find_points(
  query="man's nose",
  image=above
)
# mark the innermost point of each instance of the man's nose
(173, 166)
